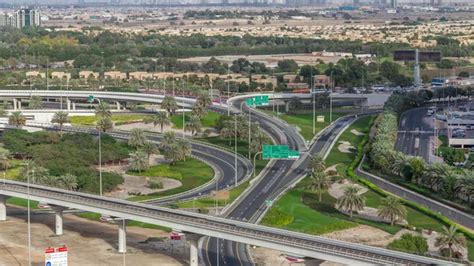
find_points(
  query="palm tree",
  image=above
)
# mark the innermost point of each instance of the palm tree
(464, 187)
(35, 102)
(194, 125)
(258, 140)
(317, 164)
(435, 174)
(199, 110)
(318, 182)
(103, 110)
(451, 238)
(203, 100)
(68, 181)
(228, 130)
(392, 209)
(60, 118)
(169, 138)
(3, 112)
(4, 161)
(351, 200)
(149, 148)
(159, 118)
(104, 124)
(184, 149)
(169, 104)
(137, 138)
(17, 119)
(139, 161)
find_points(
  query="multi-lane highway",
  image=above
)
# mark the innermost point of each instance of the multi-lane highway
(281, 176)
(221, 160)
(271, 184)
(415, 133)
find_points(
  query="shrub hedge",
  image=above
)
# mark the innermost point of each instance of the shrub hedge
(413, 205)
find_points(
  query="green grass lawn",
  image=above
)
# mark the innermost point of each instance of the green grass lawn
(305, 122)
(191, 173)
(242, 149)
(207, 202)
(22, 202)
(120, 118)
(96, 217)
(337, 157)
(306, 219)
(208, 121)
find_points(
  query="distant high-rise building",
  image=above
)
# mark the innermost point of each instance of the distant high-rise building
(356, 2)
(21, 18)
(435, 2)
(393, 3)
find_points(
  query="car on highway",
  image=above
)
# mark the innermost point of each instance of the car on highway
(458, 133)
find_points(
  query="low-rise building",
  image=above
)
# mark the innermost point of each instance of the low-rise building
(321, 81)
(88, 75)
(115, 75)
(290, 78)
(60, 75)
(35, 74)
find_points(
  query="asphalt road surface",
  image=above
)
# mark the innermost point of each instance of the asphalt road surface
(278, 178)
(415, 133)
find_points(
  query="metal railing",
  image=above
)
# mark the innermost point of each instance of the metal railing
(227, 227)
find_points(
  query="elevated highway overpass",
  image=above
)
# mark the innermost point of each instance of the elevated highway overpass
(283, 240)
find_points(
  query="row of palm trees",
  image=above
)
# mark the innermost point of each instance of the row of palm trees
(237, 126)
(352, 201)
(438, 177)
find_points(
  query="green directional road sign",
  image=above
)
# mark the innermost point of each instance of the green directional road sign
(279, 152)
(268, 203)
(259, 100)
(250, 101)
(90, 98)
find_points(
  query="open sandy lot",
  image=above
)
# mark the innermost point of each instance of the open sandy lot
(89, 242)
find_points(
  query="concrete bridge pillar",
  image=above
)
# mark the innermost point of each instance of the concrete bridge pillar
(118, 105)
(19, 104)
(58, 213)
(74, 106)
(122, 235)
(3, 208)
(14, 104)
(68, 105)
(193, 248)
(287, 106)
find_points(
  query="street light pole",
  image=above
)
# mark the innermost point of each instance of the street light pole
(100, 155)
(314, 104)
(254, 159)
(235, 148)
(250, 138)
(228, 92)
(29, 216)
(184, 136)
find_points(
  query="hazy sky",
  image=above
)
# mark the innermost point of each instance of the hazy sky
(40, 2)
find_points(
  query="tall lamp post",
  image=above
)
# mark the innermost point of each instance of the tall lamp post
(100, 154)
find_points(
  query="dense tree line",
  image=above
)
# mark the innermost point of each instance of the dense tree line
(72, 154)
(440, 178)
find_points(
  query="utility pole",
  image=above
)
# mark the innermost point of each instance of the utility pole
(314, 102)
(228, 92)
(184, 136)
(235, 148)
(250, 114)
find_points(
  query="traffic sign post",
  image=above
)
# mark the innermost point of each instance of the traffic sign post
(279, 152)
(91, 98)
(259, 100)
(55, 256)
